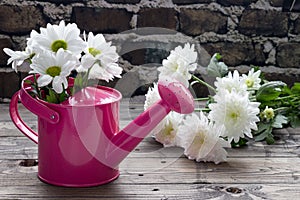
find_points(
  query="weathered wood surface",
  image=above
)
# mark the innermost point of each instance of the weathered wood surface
(258, 171)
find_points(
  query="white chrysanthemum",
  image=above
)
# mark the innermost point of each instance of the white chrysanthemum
(102, 57)
(201, 139)
(230, 82)
(53, 68)
(152, 97)
(252, 80)
(166, 131)
(17, 57)
(179, 64)
(54, 37)
(235, 111)
(167, 134)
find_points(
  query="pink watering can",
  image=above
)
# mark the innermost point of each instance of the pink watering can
(79, 142)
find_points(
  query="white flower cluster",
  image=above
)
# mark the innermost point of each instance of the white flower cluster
(199, 137)
(232, 107)
(58, 49)
(179, 64)
(232, 115)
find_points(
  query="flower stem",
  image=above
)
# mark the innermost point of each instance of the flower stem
(203, 83)
(202, 99)
(202, 109)
(286, 97)
(86, 78)
(36, 87)
(86, 75)
(281, 109)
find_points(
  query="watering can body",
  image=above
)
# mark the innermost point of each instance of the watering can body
(72, 137)
(79, 142)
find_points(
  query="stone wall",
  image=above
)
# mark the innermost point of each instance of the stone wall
(246, 32)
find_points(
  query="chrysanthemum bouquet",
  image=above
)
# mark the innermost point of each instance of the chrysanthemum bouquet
(242, 107)
(57, 52)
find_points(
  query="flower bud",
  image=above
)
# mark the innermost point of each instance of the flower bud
(268, 113)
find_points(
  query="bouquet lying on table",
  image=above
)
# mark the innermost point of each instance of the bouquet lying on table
(243, 107)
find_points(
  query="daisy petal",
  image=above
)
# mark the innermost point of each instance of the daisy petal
(44, 80)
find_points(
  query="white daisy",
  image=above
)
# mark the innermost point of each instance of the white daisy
(230, 82)
(252, 80)
(201, 139)
(53, 68)
(54, 37)
(17, 57)
(179, 64)
(31, 40)
(235, 111)
(102, 57)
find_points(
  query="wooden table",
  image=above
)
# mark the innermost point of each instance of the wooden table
(258, 171)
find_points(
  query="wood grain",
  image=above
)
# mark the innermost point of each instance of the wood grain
(156, 192)
(257, 171)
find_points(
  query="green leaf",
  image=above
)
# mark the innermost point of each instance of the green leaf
(270, 139)
(51, 98)
(286, 90)
(269, 91)
(216, 68)
(240, 143)
(263, 135)
(262, 127)
(279, 120)
(29, 82)
(62, 97)
(294, 120)
(218, 56)
(296, 88)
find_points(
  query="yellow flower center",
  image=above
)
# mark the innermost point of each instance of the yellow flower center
(53, 71)
(269, 113)
(233, 116)
(249, 83)
(199, 138)
(57, 44)
(169, 129)
(94, 51)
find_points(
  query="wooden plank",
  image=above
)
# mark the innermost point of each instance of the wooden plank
(258, 171)
(21, 148)
(7, 128)
(155, 191)
(180, 170)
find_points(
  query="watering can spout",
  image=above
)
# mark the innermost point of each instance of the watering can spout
(174, 96)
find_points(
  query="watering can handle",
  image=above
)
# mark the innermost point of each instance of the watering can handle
(38, 108)
(14, 114)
